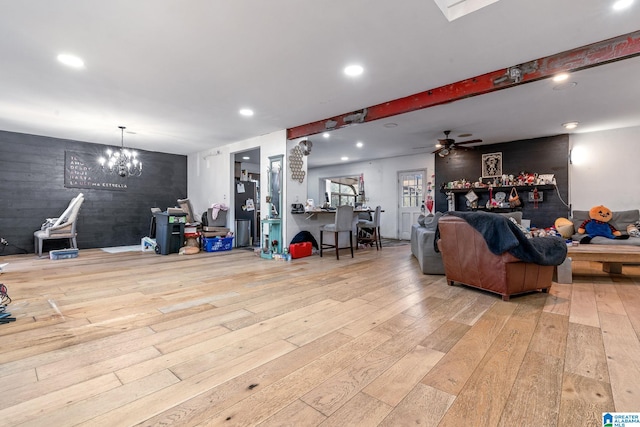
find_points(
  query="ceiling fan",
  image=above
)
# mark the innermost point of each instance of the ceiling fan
(447, 145)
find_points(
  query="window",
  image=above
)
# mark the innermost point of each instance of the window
(412, 190)
(342, 194)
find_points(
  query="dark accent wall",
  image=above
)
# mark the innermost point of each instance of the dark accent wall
(32, 189)
(548, 155)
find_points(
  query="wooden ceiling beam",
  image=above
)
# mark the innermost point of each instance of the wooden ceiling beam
(595, 54)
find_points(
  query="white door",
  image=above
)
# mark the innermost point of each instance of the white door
(410, 200)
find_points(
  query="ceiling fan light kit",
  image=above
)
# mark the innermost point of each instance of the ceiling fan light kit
(447, 145)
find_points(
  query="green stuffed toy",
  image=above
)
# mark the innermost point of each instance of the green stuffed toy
(598, 225)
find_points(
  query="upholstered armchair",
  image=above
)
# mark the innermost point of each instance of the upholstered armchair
(63, 227)
(488, 251)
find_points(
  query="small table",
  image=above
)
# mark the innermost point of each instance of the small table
(611, 256)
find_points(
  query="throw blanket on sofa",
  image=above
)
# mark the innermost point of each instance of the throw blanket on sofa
(502, 236)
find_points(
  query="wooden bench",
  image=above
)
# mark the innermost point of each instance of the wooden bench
(611, 256)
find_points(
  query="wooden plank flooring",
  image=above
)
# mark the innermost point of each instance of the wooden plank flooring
(229, 339)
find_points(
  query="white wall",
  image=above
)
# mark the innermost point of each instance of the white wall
(605, 169)
(210, 173)
(380, 183)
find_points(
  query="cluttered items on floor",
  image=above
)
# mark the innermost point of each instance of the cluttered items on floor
(63, 253)
(5, 316)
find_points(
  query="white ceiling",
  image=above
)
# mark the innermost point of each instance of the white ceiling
(176, 73)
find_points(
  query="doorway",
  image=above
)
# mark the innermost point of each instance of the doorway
(246, 199)
(410, 200)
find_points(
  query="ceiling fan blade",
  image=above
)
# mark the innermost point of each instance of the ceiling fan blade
(438, 150)
(473, 141)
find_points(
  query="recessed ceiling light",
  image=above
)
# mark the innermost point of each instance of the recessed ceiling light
(353, 70)
(344, 158)
(622, 4)
(246, 158)
(246, 112)
(71, 60)
(560, 77)
(565, 85)
(390, 125)
(570, 125)
(359, 144)
(326, 135)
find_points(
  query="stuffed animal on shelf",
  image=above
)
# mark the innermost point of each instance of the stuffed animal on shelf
(598, 225)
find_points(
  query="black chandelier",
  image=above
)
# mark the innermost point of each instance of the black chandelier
(123, 162)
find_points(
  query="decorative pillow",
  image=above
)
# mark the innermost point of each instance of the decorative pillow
(421, 219)
(431, 221)
(564, 227)
(632, 230)
(48, 223)
(517, 216)
(526, 232)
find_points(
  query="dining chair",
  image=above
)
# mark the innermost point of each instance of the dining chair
(373, 225)
(343, 223)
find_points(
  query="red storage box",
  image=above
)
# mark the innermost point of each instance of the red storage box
(300, 250)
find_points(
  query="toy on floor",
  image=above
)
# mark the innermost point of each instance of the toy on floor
(598, 225)
(5, 316)
(564, 227)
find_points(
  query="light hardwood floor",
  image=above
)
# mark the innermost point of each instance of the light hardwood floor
(230, 339)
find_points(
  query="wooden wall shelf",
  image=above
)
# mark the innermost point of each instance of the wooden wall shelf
(497, 189)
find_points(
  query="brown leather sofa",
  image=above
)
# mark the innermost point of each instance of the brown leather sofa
(468, 260)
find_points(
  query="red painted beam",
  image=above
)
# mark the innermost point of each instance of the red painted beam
(604, 52)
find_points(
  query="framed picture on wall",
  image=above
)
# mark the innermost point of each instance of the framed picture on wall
(491, 165)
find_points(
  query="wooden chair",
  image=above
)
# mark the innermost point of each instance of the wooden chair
(343, 223)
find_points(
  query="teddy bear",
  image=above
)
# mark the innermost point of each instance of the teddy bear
(598, 225)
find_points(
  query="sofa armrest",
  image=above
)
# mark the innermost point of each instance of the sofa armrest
(422, 247)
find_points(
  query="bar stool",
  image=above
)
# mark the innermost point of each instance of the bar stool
(373, 225)
(343, 223)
